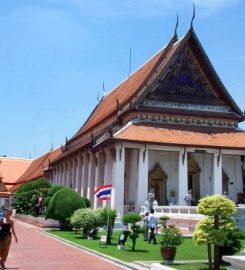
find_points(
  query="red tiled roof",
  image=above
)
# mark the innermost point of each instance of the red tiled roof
(12, 168)
(127, 89)
(131, 87)
(193, 136)
(36, 169)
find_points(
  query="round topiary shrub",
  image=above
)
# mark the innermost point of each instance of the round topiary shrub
(62, 205)
(51, 193)
(85, 219)
(53, 190)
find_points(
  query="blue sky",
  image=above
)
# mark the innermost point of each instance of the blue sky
(55, 55)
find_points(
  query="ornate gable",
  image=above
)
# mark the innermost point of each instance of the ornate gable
(184, 82)
(188, 85)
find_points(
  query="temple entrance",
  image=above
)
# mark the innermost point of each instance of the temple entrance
(194, 179)
(158, 182)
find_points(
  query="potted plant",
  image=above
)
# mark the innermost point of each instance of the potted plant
(170, 239)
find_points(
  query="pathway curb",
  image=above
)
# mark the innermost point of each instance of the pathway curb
(100, 255)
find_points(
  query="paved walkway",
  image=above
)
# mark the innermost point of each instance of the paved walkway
(36, 251)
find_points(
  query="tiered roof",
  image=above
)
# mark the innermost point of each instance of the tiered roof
(183, 136)
(11, 169)
(127, 97)
(36, 169)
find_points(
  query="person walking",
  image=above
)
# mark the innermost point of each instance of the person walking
(153, 227)
(7, 231)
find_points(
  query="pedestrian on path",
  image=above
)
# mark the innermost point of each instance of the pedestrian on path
(7, 231)
(153, 227)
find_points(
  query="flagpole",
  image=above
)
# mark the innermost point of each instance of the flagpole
(108, 220)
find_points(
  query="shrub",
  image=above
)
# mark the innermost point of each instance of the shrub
(62, 205)
(40, 183)
(133, 218)
(26, 197)
(25, 202)
(232, 243)
(85, 219)
(51, 193)
(213, 228)
(53, 190)
(170, 237)
(104, 213)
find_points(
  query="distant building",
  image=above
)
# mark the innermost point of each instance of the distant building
(172, 126)
(10, 170)
(36, 169)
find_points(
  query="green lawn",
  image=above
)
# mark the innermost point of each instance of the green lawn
(144, 251)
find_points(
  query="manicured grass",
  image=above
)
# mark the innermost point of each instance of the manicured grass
(144, 251)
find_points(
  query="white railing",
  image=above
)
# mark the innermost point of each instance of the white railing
(170, 210)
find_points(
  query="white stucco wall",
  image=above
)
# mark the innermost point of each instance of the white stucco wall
(232, 167)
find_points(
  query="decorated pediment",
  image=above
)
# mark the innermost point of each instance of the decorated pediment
(184, 82)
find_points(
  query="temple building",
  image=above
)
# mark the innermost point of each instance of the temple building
(172, 126)
(10, 170)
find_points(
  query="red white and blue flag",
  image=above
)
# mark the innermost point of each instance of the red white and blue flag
(103, 193)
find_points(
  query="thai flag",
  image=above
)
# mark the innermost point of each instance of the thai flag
(103, 193)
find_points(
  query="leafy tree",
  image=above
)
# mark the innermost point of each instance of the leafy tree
(212, 230)
(62, 205)
(39, 184)
(108, 217)
(26, 196)
(133, 218)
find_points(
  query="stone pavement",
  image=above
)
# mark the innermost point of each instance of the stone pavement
(36, 251)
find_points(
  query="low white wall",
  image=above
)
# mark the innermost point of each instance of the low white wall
(40, 221)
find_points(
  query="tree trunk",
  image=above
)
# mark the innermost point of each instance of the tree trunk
(134, 243)
(216, 248)
(210, 263)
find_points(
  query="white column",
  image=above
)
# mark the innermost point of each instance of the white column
(54, 176)
(66, 174)
(91, 179)
(183, 177)
(78, 174)
(85, 175)
(70, 166)
(143, 170)
(58, 178)
(117, 198)
(62, 175)
(96, 177)
(74, 173)
(81, 174)
(108, 173)
(217, 173)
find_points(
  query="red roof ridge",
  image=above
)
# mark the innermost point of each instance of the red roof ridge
(119, 88)
(16, 158)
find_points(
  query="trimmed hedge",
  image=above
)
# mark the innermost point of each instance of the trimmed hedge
(51, 193)
(63, 204)
(26, 197)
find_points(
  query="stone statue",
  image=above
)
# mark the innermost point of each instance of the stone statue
(188, 198)
(151, 198)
